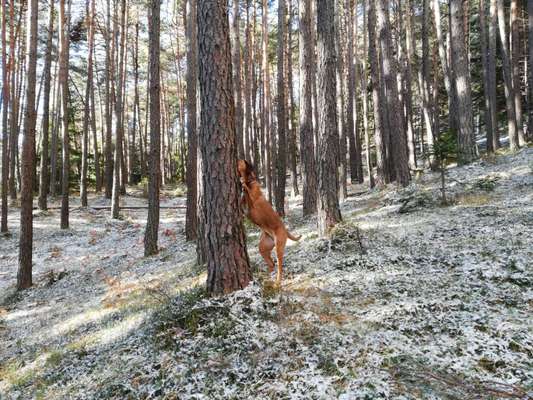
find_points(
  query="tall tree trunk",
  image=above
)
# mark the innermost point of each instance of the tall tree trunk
(119, 113)
(97, 171)
(489, 125)
(341, 107)
(364, 90)
(351, 106)
(491, 73)
(108, 152)
(191, 217)
(133, 158)
(266, 100)
(329, 213)
(44, 181)
(154, 162)
(380, 122)
(237, 77)
(24, 278)
(515, 70)
(56, 122)
(307, 148)
(228, 266)
(465, 133)
(394, 109)
(281, 112)
(292, 110)
(5, 138)
(64, 23)
(87, 110)
(507, 76)
(530, 66)
(410, 53)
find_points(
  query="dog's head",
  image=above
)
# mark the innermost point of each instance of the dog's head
(246, 170)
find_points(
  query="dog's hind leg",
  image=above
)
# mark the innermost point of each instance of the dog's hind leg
(281, 241)
(266, 244)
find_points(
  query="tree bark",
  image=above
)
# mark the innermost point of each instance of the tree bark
(108, 151)
(64, 23)
(394, 109)
(154, 161)
(530, 66)
(307, 148)
(329, 213)
(228, 266)
(489, 125)
(44, 179)
(515, 70)
(239, 121)
(5, 137)
(507, 77)
(24, 278)
(491, 73)
(191, 216)
(119, 114)
(281, 158)
(364, 90)
(465, 133)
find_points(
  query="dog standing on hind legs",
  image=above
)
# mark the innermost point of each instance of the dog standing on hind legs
(260, 212)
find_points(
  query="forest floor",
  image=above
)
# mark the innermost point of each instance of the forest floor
(409, 299)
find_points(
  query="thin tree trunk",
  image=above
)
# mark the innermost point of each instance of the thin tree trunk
(507, 77)
(307, 148)
(485, 69)
(24, 278)
(44, 181)
(108, 151)
(237, 77)
(266, 100)
(292, 110)
(329, 213)
(5, 137)
(64, 22)
(491, 73)
(191, 216)
(530, 66)
(515, 70)
(281, 158)
(394, 109)
(154, 169)
(341, 107)
(364, 90)
(465, 133)
(119, 113)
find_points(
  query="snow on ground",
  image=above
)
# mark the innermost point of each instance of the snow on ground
(408, 300)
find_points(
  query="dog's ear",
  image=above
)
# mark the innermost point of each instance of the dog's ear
(250, 170)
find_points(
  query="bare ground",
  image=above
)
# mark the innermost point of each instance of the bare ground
(409, 299)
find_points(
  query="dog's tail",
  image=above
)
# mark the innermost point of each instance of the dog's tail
(292, 237)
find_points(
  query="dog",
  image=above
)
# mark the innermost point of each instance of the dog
(260, 212)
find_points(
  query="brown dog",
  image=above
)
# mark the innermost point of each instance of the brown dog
(260, 212)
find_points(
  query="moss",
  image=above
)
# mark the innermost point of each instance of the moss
(54, 358)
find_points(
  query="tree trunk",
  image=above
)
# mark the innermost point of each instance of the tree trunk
(307, 148)
(507, 77)
(530, 66)
(24, 278)
(515, 70)
(228, 266)
(394, 109)
(5, 140)
(87, 110)
(237, 78)
(329, 213)
(465, 133)
(64, 23)
(108, 163)
(44, 181)
(341, 107)
(281, 158)
(154, 161)
(410, 53)
(191, 217)
(266, 100)
(119, 113)
(292, 110)
(491, 73)
(489, 125)
(380, 122)
(364, 90)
